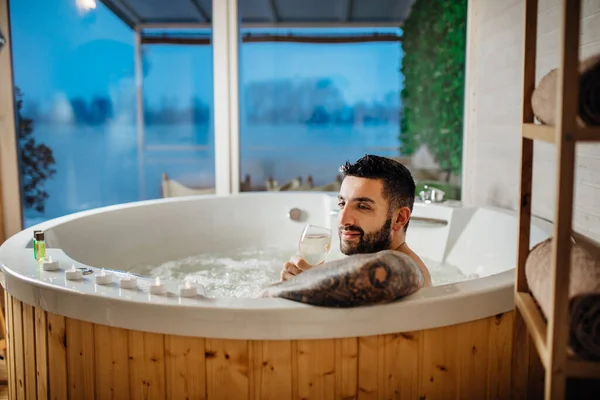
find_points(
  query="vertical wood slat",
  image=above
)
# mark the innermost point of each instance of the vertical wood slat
(346, 368)
(146, 365)
(111, 362)
(439, 369)
(316, 369)
(368, 362)
(227, 369)
(473, 357)
(535, 384)
(294, 360)
(10, 195)
(57, 356)
(10, 362)
(29, 351)
(567, 90)
(500, 346)
(401, 364)
(185, 368)
(41, 347)
(19, 350)
(271, 365)
(527, 116)
(80, 359)
(520, 340)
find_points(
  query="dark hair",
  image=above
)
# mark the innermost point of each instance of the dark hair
(398, 184)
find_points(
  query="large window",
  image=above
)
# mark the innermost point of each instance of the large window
(178, 132)
(85, 141)
(120, 100)
(313, 98)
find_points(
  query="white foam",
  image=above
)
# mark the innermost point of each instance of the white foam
(242, 273)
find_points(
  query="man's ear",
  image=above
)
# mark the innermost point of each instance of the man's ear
(401, 217)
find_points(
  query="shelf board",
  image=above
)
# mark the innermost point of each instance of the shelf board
(576, 367)
(546, 133)
(588, 134)
(535, 323)
(539, 132)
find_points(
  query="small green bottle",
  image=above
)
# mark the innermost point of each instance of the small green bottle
(40, 246)
(34, 246)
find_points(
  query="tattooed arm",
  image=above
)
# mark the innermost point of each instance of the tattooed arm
(357, 280)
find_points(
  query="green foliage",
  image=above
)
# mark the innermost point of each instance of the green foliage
(36, 161)
(434, 44)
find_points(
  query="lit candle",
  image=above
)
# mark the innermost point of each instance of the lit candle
(128, 282)
(188, 289)
(157, 287)
(73, 274)
(50, 265)
(103, 278)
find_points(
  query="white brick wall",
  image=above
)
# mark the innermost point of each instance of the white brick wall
(493, 111)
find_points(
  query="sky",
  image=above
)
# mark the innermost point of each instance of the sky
(59, 52)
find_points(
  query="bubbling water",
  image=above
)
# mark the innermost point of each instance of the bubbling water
(243, 273)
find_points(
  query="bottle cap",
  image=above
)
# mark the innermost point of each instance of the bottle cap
(39, 235)
(35, 232)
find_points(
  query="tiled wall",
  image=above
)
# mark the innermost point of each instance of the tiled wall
(493, 111)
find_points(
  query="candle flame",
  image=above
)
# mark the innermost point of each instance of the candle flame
(102, 273)
(157, 281)
(49, 258)
(73, 267)
(187, 284)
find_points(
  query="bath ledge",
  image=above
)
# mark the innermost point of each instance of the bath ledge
(258, 319)
(271, 318)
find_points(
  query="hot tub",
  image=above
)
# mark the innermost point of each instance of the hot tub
(81, 340)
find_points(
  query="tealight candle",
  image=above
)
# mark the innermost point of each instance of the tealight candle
(157, 287)
(128, 282)
(73, 274)
(50, 265)
(188, 289)
(103, 278)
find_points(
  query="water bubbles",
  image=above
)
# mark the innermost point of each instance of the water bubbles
(243, 273)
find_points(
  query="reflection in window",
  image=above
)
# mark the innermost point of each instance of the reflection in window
(74, 72)
(80, 142)
(308, 106)
(178, 109)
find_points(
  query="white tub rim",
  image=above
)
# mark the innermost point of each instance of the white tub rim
(268, 319)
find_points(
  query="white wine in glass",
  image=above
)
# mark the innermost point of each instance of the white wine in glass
(315, 244)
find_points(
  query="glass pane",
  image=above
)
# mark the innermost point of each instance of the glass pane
(313, 97)
(80, 146)
(327, 81)
(178, 129)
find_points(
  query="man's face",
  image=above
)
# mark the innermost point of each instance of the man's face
(364, 220)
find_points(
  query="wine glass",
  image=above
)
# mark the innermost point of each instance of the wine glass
(315, 244)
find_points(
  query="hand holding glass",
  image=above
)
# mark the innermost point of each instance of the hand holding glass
(315, 244)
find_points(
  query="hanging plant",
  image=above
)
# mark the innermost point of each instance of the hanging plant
(433, 65)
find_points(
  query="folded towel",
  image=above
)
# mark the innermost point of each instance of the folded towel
(584, 292)
(543, 99)
(585, 325)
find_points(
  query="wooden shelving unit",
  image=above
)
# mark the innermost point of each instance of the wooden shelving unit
(551, 338)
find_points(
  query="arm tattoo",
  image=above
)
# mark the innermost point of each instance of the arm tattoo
(357, 280)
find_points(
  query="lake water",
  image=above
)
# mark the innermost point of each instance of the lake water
(98, 166)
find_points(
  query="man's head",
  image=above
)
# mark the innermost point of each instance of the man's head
(375, 200)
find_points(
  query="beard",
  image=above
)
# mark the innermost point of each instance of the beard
(371, 242)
